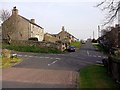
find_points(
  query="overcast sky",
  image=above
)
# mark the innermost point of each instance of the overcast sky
(80, 18)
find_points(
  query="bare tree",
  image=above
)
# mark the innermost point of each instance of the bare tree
(111, 7)
(4, 15)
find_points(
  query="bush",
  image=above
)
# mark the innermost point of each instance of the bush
(94, 41)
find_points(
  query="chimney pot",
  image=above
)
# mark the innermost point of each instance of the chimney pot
(33, 20)
(14, 11)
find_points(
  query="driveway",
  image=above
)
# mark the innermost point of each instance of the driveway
(50, 70)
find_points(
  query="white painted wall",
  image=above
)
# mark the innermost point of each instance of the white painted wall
(37, 32)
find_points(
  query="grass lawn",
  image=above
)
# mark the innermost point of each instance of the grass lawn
(8, 62)
(95, 76)
(76, 44)
(31, 49)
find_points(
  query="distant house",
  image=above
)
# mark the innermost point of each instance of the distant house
(63, 37)
(50, 38)
(17, 27)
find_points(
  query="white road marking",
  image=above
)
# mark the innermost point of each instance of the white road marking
(41, 57)
(25, 55)
(88, 53)
(55, 61)
(98, 61)
(99, 56)
(46, 57)
(105, 57)
(52, 63)
(19, 55)
(14, 54)
(94, 56)
(57, 58)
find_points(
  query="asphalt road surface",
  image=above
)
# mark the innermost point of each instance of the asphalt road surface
(50, 70)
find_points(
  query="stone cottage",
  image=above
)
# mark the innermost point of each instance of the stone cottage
(17, 27)
(65, 36)
(62, 37)
(50, 38)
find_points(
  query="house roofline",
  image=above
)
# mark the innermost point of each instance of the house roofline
(31, 22)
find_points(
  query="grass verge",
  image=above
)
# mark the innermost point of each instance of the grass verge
(31, 49)
(95, 76)
(76, 44)
(101, 48)
(8, 62)
(116, 56)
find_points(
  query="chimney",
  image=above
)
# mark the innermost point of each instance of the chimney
(14, 11)
(117, 26)
(63, 29)
(33, 20)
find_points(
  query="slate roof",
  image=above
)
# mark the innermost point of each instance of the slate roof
(31, 22)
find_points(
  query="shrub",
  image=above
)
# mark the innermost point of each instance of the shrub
(94, 41)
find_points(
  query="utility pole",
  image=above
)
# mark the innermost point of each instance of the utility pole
(93, 35)
(98, 31)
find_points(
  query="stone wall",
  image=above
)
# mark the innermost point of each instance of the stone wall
(113, 68)
(16, 28)
(35, 43)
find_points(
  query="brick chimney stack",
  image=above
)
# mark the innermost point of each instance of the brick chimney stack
(63, 29)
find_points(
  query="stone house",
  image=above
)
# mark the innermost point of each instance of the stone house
(65, 36)
(50, 38)
(62, 37)
(17, 27)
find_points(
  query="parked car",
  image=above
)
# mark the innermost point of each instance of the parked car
(71, 49)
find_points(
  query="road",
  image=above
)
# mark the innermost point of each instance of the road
(50, 70)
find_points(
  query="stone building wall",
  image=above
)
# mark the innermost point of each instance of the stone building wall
(41, 44)
(17, 27)
(50, 38)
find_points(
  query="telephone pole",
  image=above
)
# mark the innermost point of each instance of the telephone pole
(93, 35)
(99, 31)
